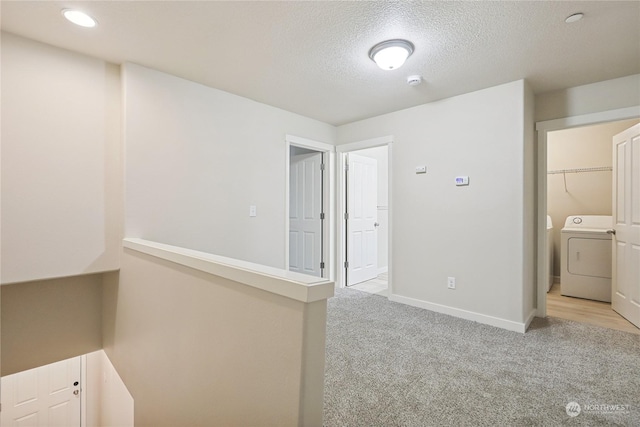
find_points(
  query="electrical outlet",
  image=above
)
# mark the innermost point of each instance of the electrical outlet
(451, 282)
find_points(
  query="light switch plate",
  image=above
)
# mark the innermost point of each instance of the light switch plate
(253, 211)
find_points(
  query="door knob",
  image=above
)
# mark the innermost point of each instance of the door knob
(375, 224)
(76, 392)
(612, 232)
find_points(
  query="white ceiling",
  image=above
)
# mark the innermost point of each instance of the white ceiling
(312, 57)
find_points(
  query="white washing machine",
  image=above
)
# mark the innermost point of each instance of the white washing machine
(586, 257)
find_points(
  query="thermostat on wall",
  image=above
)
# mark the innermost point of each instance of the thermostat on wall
(462, 180)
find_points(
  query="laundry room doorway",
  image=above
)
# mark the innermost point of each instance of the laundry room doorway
(575, 188)
(364, 208)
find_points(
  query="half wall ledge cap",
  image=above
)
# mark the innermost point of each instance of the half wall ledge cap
(300, 287)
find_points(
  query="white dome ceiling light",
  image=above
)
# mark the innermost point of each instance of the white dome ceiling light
(79, 18)
(391, 54)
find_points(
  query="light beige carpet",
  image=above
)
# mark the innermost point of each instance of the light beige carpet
(390, 364)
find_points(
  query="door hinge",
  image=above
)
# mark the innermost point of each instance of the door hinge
(346, 264)
(322, 265)
(321, 215)
(321, 166)
(346, 215)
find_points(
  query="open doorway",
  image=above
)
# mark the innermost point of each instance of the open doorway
(364, 212)
(309, 222)
(575, 187)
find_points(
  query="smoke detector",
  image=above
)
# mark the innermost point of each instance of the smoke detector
(414, 80)
(574, 18)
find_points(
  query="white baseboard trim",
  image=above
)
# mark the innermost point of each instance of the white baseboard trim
(383, 270)
(556, 279)
(463, 314)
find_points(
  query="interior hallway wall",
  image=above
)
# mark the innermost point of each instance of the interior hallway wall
(200, 350)
(61, 200)
(381, 154)
(474, 233)
(587, 193)
(592, 98)
(109, 403)
(61, 162)
(47, 321)
(197, 158)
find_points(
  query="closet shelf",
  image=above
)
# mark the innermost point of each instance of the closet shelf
(564, 172)
(579, 170)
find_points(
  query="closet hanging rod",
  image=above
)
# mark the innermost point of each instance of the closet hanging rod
(579, 170)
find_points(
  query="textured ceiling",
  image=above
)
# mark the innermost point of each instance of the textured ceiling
(311, 57)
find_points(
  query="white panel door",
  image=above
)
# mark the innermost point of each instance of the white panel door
(625, 281)
(48, 396)
(305, 208)
(362, 209)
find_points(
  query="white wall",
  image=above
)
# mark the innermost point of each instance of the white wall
(197, 157)
(587, 193)
(591, 98)
(61, 181)
(473, 233)
(109, 403)
(381, 154)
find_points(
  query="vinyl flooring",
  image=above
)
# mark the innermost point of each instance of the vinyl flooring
(586, 311)
(378, 286)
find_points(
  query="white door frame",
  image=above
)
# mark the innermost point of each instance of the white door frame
(543, 128)
(342, 235)
(328, 234)
(83, 390)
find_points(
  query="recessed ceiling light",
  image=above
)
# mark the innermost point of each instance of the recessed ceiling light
(574, 18)
(79, 18)
(391, 54)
